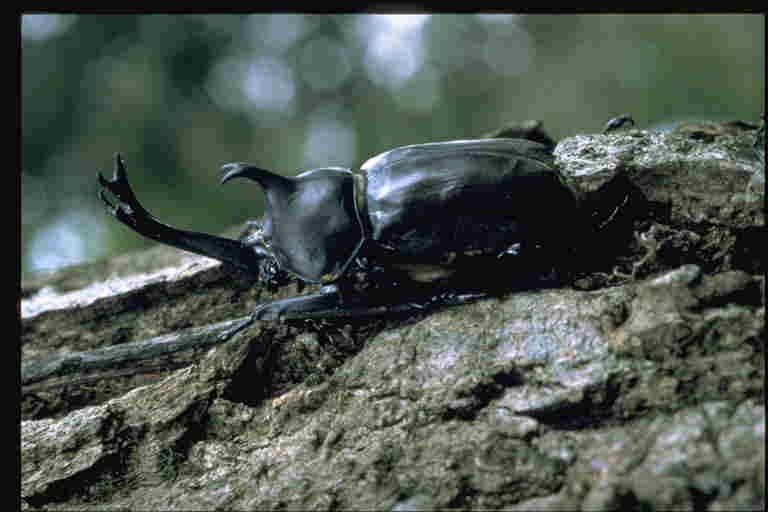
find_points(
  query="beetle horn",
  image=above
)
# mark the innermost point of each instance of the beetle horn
(272, 183)
(240, 170)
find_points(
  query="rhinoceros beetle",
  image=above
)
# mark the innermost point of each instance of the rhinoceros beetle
(436, 223)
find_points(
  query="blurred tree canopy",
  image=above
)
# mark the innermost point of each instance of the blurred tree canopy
(180, 95)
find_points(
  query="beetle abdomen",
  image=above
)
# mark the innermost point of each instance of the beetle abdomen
(461, 196)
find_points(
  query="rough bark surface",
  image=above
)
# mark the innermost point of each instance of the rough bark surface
(637, 386)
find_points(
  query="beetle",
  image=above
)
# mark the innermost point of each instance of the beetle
(436, 223)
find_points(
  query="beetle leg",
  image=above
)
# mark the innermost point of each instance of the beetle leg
(130, 212)
(330, 303)
(326, 303)
(343, 300)
(444, 299)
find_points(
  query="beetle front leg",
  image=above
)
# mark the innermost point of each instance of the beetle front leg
(326, 303)
(330, 303)
(130, 212)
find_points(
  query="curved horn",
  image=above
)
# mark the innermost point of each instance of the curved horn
(271, 182)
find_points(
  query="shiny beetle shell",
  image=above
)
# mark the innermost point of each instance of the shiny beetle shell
(435, 199)
(420, 203)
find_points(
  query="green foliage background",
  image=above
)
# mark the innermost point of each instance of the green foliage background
(180, 95)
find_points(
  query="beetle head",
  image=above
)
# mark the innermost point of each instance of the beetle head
(311, 226)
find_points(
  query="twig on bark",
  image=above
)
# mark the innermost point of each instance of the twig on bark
(109, 358)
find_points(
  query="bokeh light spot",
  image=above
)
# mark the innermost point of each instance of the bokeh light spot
(39, 27)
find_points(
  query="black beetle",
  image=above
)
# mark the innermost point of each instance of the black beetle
(433, 223)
